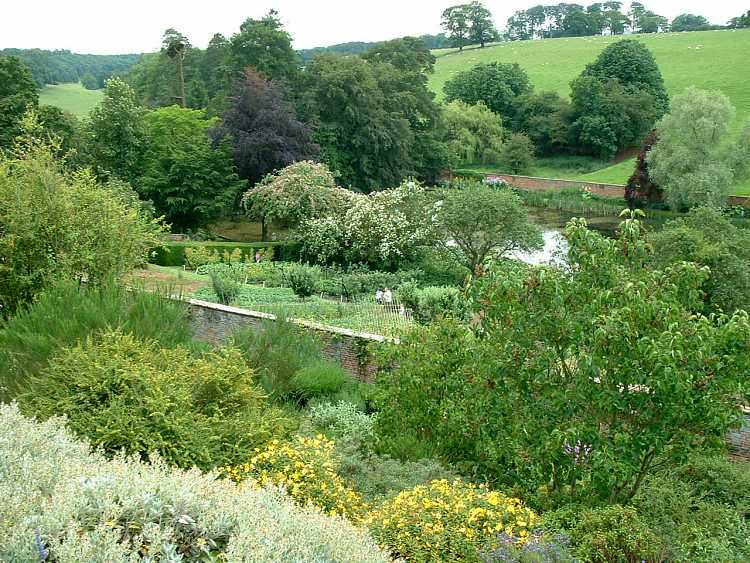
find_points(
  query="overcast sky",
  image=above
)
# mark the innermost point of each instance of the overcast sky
(134, 26)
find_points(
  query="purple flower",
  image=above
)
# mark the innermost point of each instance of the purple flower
(579, 452)
(41, 550)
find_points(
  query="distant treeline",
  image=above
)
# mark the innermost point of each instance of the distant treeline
(57, 67)
(438, 41)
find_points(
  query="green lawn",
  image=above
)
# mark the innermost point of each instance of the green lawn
(707, 59)
(70, 97)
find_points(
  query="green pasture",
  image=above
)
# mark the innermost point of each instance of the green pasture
(70, 97)
(713, 60)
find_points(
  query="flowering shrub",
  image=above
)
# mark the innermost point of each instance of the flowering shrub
(446, 521)
(537, 549)
(381, 229)
(306, 469)
(59, 499)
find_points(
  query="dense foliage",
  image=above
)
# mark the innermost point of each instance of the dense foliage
(68, 313)
(17, 93)
(474, 133)
(707, 238)
(496, 84)
(188, 180)
(203, 411)
(301, 191)
(56, 225)
(617, 99)
(59, 66)
(690, 162)
(597, 383)
(263, 130)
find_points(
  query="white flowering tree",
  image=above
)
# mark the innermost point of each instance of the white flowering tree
(382, 229)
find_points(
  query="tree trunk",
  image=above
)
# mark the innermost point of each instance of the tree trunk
(182, 82)
(263, 230)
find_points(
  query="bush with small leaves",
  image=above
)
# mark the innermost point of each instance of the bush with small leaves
(61, 502)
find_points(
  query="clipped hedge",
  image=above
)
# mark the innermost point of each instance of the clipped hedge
(173, 253)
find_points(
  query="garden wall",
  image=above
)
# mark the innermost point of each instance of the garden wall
(606, 190)
(215, 323)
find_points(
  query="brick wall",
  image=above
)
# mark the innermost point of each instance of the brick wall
(606, 190)
(739, 441)
(215, 323)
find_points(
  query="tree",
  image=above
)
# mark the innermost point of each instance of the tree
(632, 65)
(689, 22)
(707, 238)
(264, 45)
(640, 188)
(116, 133)
(263, 130)
(482, 27)
(61, 129)
(89, 81)
(456, 23)
(606, 117)
(407, 54)
(176, 46)
(475, 222)
(357, 108)
(690, 161)
(189, 180)
(545, 118)
(18, 92)
(474, 133)
(302, 191)
(582, 380)
(56, 226)
(495, 84)
(617, 99)
(740, 21)
(517, 154)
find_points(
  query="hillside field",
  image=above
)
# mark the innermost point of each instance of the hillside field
(72, 97)
(708, 59)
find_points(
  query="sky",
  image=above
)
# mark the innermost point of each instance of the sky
(136, 26)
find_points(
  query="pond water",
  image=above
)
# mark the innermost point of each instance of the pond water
(552, 223)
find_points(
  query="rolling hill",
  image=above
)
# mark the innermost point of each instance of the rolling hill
(712, 60)
(70, 97)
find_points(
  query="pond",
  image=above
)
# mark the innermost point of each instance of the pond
(552, 223)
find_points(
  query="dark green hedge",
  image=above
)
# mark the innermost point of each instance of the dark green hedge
(173, 253)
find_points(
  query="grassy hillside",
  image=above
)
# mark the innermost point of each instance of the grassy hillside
(70, 97)
(707, 59)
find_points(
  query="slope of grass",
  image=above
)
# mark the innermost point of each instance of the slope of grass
(70, 97)
(712, 60)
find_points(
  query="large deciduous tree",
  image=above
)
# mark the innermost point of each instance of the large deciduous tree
(189, 180)
(18, 92)
(475, 222)
(482, 27)
(456, 23)
(263, 129)
(495, 84)
(617, 99)
(302, 191)
(690, 161)
(116, 133)
(264, 45)
(474, 133)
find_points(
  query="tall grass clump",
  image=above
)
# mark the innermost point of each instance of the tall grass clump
(61, 502)
(67, 313)
(277, 351)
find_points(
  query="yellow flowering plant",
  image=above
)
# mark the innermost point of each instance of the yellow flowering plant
(446, 521)
(306, 469)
